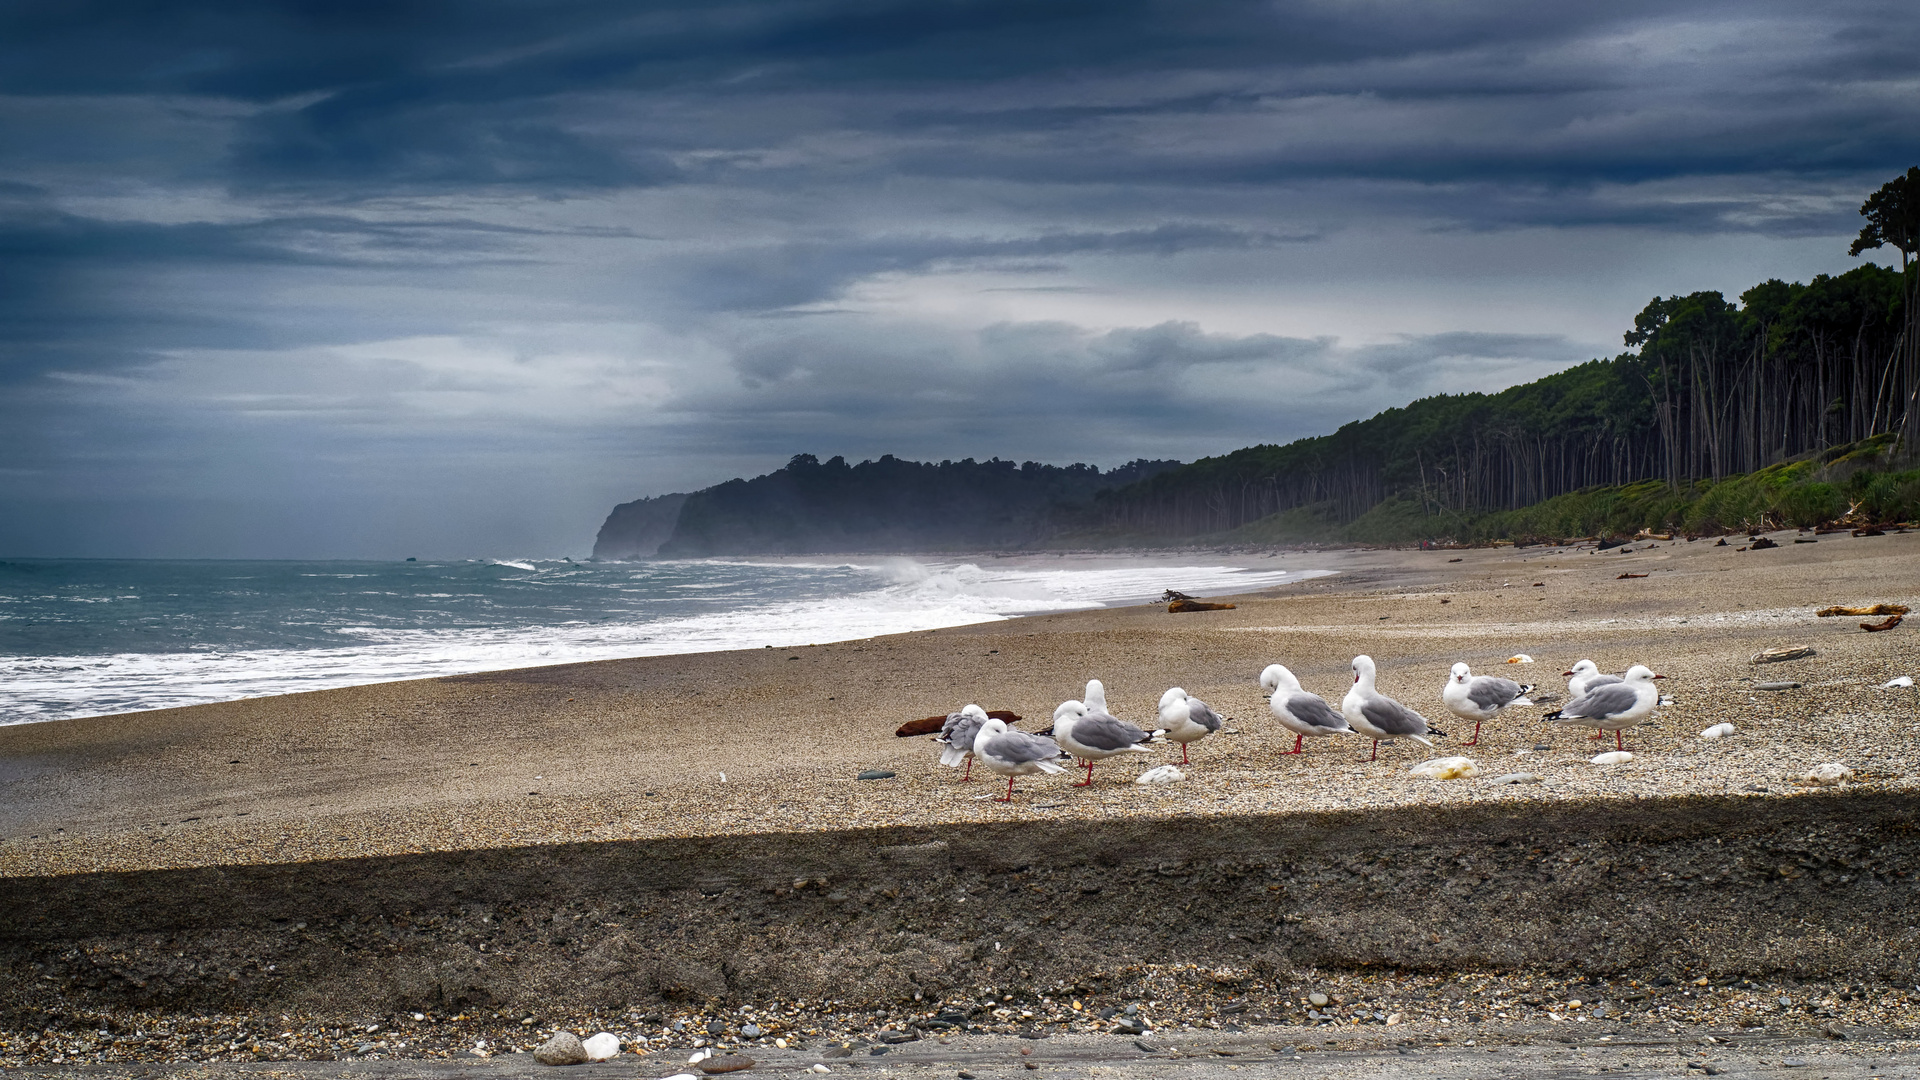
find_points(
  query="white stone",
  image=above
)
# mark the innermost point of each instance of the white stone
(604, 1046)
(1614, 757)
(819, 1069)
(1717, 731)
(699, 1056)
(1827, 775)
(1902, 682)
(1447, 768)
(680, 1076)
(1165, 774)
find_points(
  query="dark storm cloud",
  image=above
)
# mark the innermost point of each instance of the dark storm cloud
(710, 231)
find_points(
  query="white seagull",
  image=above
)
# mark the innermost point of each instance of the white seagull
(1302, 713)
(1095, 736)
(1378, 716)
(1186, 719)
(1096, 697)
(957, 734)
(1613, 706)
(1479, 697)
(1585, 676)
(1015, 753)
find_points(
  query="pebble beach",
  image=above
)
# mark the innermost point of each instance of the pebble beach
(771, 741)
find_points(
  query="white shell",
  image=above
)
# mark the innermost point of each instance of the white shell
(1827, 775)
(699, 1056)
(1520, 658)
(602, 1047)
(1614, 757)
(1902, 681)
(1717, 731)
(1447, 768)
(1165, 774)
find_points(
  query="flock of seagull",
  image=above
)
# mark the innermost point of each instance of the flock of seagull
(1084, 732)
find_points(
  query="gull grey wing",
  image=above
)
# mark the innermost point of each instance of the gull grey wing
(1392, 717)
(1600, 702)
(1103, 732)
(1313, 709)
(965, 732)
(953, 721)
(1491, 691)
(1200, 713)
(1018, 746)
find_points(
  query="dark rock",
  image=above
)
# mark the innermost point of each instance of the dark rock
(727, 1063)
(879, 1051)
(874, 774)
(1145, 1047)
(839, 1052)
(1127, 1027)
(895, 1038)
(964, 1075)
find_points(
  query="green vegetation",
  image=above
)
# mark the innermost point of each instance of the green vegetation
(1847, 484)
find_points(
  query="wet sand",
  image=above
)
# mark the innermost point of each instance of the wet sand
(637, 748)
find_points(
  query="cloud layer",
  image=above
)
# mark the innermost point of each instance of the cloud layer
(444, 278)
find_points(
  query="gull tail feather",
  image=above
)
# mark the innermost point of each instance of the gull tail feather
(953, 757)
(1422, 740)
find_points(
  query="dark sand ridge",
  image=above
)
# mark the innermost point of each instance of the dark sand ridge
(377, 871)
(635, 748)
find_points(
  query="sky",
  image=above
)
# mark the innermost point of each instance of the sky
(417, 277)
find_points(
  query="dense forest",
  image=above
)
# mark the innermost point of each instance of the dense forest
(813, 506)
(1710, 388)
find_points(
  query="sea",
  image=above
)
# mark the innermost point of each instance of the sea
(86, 637)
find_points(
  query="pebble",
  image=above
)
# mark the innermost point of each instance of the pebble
(1776, 685)
(602, 1047)
(1900, 682)
(819, 1069)
(1827, 775)
(563, 1049)
(1717, 731)
(1516, 778)
(751, 1031)
(727, 1064)
(1165, 774)
(1447, 768)
(1614, 757)
(680, 1076)
(875, 774)
(1317, 999)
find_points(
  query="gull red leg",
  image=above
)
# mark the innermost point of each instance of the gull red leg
(1297, 740)
(1376, 751)
(1088, 782)
(1475, 741)
(968, 775)
(1184, 747)
(1008, 797)
(1619, 740)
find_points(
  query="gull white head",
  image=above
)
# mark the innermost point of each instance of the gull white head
(1068, 706)
(1642, 673)
(1461, 672)
(1363, 671)
(1172, 695)
(1096, 696)
(1277, 678)
(1584, 669)
(994, 726)
(974, 711)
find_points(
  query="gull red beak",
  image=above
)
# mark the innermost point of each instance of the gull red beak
(1566, 674)
(1659, 676)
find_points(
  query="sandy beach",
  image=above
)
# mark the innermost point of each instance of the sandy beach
(638, 748)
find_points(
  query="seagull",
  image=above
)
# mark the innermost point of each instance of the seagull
(1378, 716)
(1094, 736)
(958, 734)
(1613, 706)
(1186, 720)
(1479, 697)
(1014, 753)
(1096, 697)
(1585, 676)
(1298, 711)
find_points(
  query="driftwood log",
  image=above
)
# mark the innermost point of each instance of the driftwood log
(932, 724)
(1783, 652)
(1888, 623)
(1623, 577)
(1863, 612)
(1178, 606)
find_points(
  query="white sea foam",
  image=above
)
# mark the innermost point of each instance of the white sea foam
(883, 597)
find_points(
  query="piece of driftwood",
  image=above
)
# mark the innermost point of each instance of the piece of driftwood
(1888, 623)
(1761, 543)
(1781, 652)
(1862, 612)
(1624, 576)
(1776, 686)
(1178, 606)
(932, 724)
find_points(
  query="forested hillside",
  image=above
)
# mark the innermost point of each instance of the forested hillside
(811, 506)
